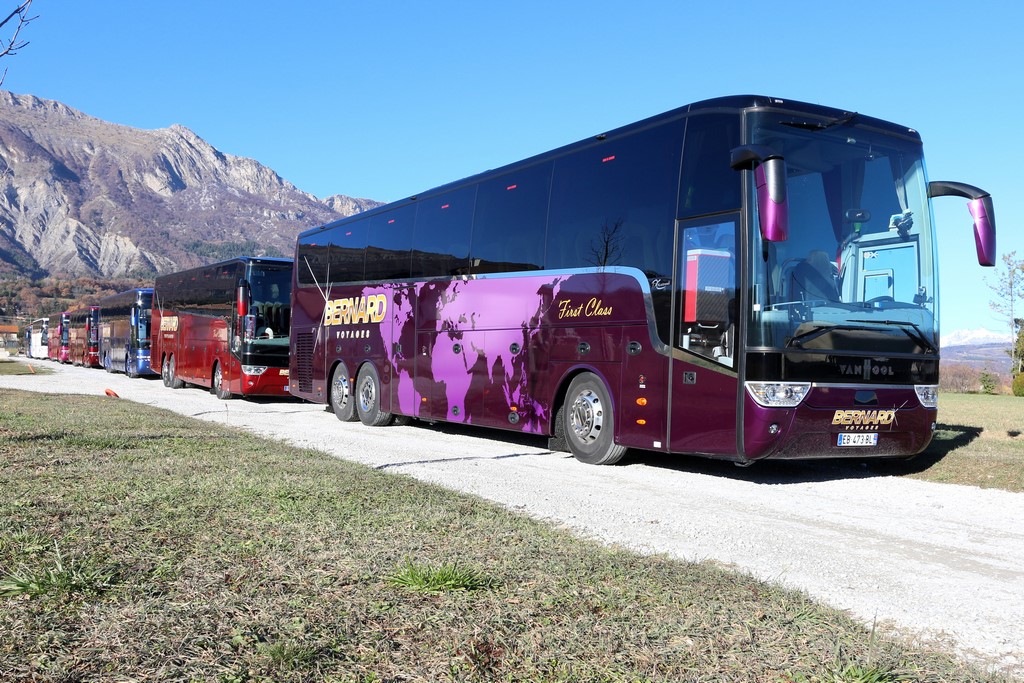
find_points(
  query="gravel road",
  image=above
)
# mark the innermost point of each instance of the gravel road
(933, 560)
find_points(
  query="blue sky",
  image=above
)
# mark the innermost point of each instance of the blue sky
(386, 99)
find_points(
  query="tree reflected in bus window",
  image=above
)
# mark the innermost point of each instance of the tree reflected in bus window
(614, 204)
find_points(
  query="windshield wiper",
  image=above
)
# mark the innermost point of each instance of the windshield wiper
(914, 332)
(817, 331)
(908, 328)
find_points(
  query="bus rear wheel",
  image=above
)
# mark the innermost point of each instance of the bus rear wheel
(342, 401)
(587, 420)
(368, 398)
(172, 378)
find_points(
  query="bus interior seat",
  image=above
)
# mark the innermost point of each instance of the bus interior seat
(813, 279)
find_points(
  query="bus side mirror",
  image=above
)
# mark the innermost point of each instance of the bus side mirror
(242, 298)
(981, 208)
(249, 323)
(770, 178)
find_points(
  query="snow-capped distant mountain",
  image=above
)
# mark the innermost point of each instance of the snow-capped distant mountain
(976, 337)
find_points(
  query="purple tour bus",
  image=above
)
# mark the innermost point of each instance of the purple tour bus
(740, 278)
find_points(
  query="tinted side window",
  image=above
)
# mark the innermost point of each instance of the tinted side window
(390, 244)
(613, 204)
(441, 237)
(214, 290)
(311, 260)
(348, 250)
(510, 221)
(709, 184)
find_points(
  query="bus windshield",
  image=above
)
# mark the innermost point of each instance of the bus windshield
(857, 272)
(270, 293)
(143, 328)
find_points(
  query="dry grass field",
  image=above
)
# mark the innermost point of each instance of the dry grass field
(136, 544)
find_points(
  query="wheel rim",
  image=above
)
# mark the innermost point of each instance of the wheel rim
(586, 417)
(367, 395)
(218, 379)
(339, 390)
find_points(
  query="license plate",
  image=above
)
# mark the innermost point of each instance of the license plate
(859, 439)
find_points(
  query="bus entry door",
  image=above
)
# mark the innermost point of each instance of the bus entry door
(703, 380)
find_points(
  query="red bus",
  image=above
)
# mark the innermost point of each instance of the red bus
(224, 327)
(84, 336)
(58, 336)
(740, 278)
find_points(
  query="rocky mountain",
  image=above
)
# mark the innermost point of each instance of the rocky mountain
(978, 337)
(84, 197)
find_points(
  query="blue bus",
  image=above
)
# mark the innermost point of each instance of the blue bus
(125, 331)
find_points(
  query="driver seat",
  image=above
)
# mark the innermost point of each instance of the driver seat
(812, 279)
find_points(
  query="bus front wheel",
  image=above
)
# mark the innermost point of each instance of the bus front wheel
(219, 387)
(368, 398)
(587, 420)
(342, 401)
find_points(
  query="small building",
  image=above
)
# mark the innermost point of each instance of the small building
(10, 340)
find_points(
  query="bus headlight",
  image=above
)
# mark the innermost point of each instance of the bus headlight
(778, 394)
(928, 395)
(254, 369)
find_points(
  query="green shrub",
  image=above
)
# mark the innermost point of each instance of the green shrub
(989, 382)
(1018, 385)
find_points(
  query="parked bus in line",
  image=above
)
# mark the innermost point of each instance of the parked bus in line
(37, 338)
(225, 327)
(84, 336)
(741, 278)
(58, 335)
(125, 330)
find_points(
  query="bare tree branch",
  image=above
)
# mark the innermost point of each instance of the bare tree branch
(1009, 289)
(607, 248)
(11, 46)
